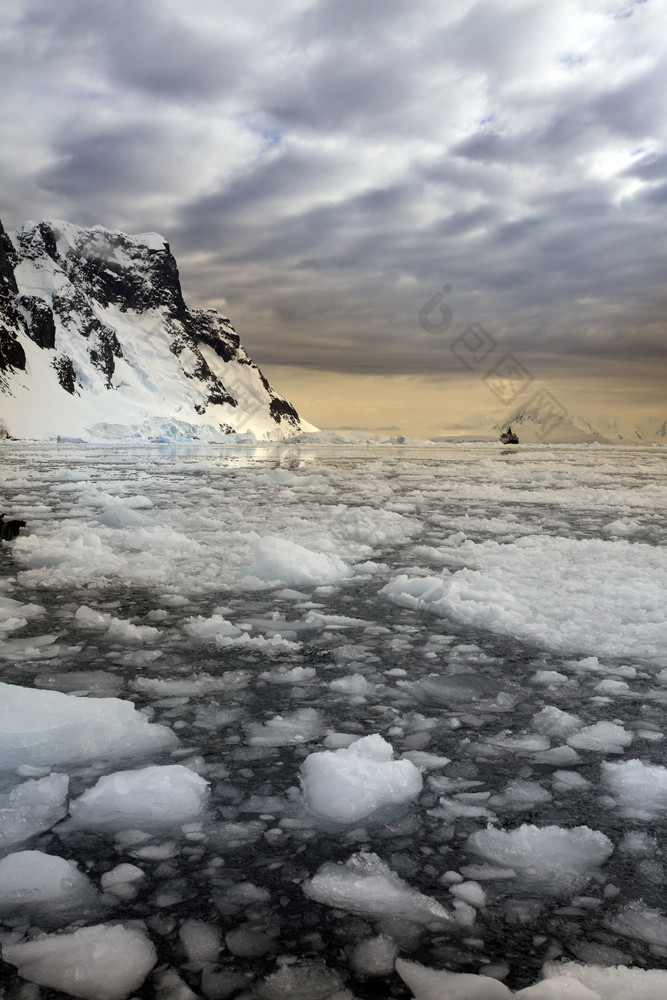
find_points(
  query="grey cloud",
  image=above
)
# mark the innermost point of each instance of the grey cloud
(399, 153)
(113, 161)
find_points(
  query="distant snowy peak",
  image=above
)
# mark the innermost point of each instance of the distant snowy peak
(551, 424)
(96, 341)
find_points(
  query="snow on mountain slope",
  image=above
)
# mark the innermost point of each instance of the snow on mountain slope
(97, 342)
(536, 421)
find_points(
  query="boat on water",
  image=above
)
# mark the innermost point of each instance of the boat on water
(509, 437)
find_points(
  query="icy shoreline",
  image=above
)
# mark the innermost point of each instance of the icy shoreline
(494, 625)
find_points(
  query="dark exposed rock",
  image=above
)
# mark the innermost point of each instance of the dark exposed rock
(281, 408)
(8, 261)
(205, 327)
(220, 395)
(74, 310)
(107, 348)
(40, 324)
(66, 374)
(49, 237)
(12, 355)
(146, 279)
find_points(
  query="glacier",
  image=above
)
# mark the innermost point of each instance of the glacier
(305, 719)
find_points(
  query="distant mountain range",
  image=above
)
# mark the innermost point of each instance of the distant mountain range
(96, 341)
(542, 420)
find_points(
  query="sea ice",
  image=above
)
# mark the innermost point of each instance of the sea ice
(366, 884)
(615, 983)
(606, 737)
(350, 784)
(640, 789)
(375, 956)
(643, 923)
(552, 721)
(445, 689)
(355, 685)
(32, 807)
(280, 560)
(613, 604)
(291, 729)
(45, 889)
(201, 941)
(435, 984)
(549, 857)
(150, 798)
(563, 988)
(117, 629)
(306, 980)
(520, 794)
(103, 962)
(47, 727)
(120, 881)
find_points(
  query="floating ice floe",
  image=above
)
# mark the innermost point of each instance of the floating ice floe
(640, 789)
(149, 799)
(605, 737)
(100, 683)
(550, 857)
(117, 629)
(613, 983)
(305, 980)
(561, 981)
(280, 560)
(291, 729)
(46, 727)
(201, 941)
(552, 721)
(457, 688)
(366, 884)
(375, 956)
(615, 603)
(123, 957)
(435, 984)
(121, 880)
(44, 889)
(642, 923)
(350, 784)
(32, 807)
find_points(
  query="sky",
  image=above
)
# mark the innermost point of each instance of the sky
(416, 213)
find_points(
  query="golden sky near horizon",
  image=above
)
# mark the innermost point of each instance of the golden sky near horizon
(429, 406)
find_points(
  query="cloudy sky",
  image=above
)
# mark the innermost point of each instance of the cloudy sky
(413, 211)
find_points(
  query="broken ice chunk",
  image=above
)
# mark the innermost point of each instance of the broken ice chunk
(550, 857)
(31, 808)
(123, 957)
(48, 727)
(365, 884)
(640, 789)
(290, 729)
(436, 984)
(44, 889)
(606, 737)
(351, 783)
(149, 798)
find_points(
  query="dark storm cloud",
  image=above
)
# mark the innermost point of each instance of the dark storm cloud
(322, 168)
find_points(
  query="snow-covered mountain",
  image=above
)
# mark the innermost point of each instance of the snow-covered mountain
(546, 423)
(543, 420)
(97, 342)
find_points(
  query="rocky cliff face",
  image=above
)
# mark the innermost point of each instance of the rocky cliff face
(96, 341)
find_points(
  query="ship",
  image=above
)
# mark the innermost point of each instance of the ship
(509, 437)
